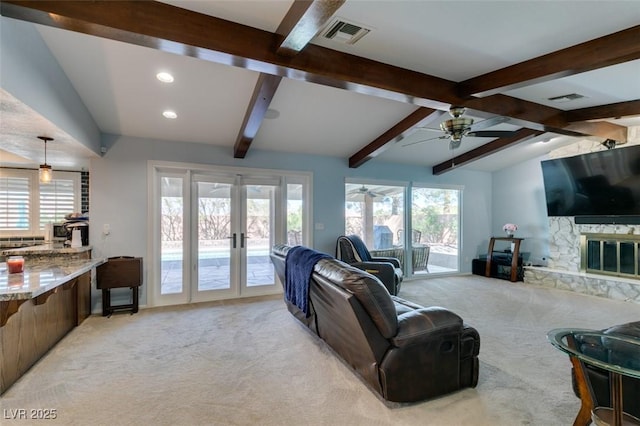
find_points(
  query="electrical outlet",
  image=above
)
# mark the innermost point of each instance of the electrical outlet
(106, 229)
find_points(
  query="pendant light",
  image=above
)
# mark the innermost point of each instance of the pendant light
(45, 169)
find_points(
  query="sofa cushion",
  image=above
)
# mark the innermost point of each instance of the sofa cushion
(367, 289)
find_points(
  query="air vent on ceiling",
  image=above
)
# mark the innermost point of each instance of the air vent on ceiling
(343, 31)
(566, 98)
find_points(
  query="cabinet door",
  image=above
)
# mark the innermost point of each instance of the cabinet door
(84, 297)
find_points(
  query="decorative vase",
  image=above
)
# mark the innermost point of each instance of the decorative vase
(509, 234)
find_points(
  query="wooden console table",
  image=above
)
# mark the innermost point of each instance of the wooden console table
(514, 255)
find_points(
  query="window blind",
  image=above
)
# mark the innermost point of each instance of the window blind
(14, 204)
(57, 199)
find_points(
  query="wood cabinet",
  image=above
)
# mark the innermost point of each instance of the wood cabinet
(513, 255)
(37, 324)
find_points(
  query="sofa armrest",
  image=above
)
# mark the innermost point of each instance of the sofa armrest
(422, 324)
(394, 261)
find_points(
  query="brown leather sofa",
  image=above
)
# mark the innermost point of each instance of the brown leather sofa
(403, 351)
(599, 378)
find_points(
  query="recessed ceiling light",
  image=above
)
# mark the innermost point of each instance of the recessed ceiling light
(164, 77)
(170, 114)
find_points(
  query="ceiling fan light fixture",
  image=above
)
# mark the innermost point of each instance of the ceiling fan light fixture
(456, 127)
(45, 172)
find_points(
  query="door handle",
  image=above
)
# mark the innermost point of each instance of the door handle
(233, 237)
(242, 238)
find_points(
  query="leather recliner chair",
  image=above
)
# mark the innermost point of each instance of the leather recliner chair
(352, 250)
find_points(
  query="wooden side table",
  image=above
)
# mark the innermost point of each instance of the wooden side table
(514, 255)
(119, 272)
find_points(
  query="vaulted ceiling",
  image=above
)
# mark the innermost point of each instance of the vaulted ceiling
(259, 75)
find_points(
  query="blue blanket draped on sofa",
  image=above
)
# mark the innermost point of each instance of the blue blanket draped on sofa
(299, 265)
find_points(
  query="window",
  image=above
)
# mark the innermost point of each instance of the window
(26, 205)
(15, 203)
(57, 199)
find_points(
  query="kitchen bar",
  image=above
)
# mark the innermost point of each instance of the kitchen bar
(40, 305)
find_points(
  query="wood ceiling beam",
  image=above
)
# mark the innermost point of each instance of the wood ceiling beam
(420, 117)
(180, 31)
(302, 22)
(263, 93)
(485, 150)
(603, 112)
(541, 117)
(612, 49)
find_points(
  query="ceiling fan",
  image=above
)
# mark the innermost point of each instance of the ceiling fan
(363, 190)
(457, 127)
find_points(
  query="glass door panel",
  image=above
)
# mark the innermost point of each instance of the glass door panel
(435, 215)
(257, 237)
(294, 214)
(214, 235)
(171, 235)
(375, 213)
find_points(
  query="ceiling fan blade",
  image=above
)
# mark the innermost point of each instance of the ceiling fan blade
(491, 133)
(429, 129)
(489, 122)
(426, 140)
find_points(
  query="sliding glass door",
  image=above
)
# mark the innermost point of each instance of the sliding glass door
(421, 232)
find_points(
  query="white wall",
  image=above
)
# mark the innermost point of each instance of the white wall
(30, 73)
(118, 192)
(518, 197)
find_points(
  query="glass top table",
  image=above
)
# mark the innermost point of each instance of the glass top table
(618, 354)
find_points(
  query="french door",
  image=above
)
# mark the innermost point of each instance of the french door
(214, 233)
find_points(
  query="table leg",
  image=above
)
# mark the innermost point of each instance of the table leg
(615, 380)
(584, 389)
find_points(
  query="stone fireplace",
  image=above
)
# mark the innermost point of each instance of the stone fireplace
(600, 260)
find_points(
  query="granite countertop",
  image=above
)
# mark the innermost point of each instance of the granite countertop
(43, 249)
(39, 278)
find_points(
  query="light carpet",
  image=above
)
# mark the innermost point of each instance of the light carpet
(251, 363)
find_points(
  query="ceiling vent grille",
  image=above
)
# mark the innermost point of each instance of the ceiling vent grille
(345, 32)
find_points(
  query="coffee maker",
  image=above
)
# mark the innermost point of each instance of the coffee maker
(81, 235)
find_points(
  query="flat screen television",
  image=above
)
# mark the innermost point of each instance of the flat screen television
(603, 183)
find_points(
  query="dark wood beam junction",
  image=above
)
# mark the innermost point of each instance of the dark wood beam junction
(420, 117)
(260, 100)
(492, 147)
(603, 112)
(302, 22)
(612, 49)
(176, 30)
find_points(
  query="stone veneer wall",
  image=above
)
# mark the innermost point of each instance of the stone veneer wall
(563, 269)
(564, 272)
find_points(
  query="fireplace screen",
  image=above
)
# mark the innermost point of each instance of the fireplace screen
(611, 254)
